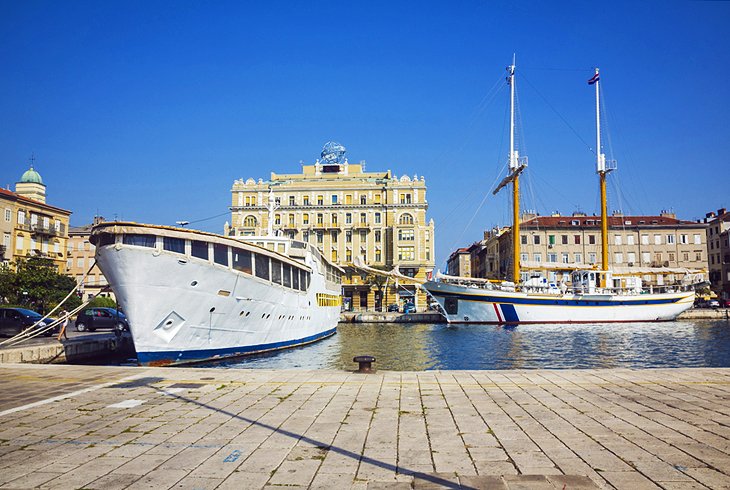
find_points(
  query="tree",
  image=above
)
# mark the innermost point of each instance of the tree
(379, 281)
(35, 283)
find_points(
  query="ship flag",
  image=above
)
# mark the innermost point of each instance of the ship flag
(593, 79)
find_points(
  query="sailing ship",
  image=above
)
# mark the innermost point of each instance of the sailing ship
(192, 296)
(594, 295)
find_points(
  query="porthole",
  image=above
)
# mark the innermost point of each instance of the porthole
(248, 313)
(194, 283)
(212, 309)
(241, 314)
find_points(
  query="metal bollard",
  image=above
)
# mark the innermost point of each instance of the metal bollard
(365, 363)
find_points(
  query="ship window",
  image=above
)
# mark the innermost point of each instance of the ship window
(140, 240)
(199, 249)
(242, 260)
(287, 275)
(304, 281)
(295, 278)
(262, 266)
(105, 239)
(275, 271)
(173, 244)
(220, 254)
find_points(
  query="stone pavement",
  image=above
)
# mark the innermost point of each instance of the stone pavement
(109, 427)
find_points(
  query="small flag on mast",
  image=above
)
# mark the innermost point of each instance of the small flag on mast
(593, 80)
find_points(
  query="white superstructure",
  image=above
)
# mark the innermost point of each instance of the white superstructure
(192, 296)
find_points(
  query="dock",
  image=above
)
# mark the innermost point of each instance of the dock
(105, 427)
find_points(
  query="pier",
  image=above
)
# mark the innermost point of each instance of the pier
(119, 427)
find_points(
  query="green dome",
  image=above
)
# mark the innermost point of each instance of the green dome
(31, 176)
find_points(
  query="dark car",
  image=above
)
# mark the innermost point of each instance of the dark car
(409, 307)
(92, 318)
(15, 320)
(393, 307)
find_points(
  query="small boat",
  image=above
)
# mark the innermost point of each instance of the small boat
(593, 296)
(193, 296)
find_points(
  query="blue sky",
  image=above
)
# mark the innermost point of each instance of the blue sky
(148, 111)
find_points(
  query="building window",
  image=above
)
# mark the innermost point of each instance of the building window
(348, 255)
(333, 255)
(363, 218)
(377, 198)
(334, 219)
(552, 257)
(617, 240)
(320, 218)
(320, 236)
(320, 200)
(657, 239)
(406, 235)
(292, 201)
(305, 200)
(551, 239)
(377, 236)
(577, 239)
(684, 239)
(8, 215)
(363, 236)
(685, 256)
(407, 253)
(670, 240)
(564, 239)
(348, 198)
(305, 236)
(537, 257)
(592, 239)
(405, 198)
(645, 239)
(658, 257)
(578, 258)
(333, 236)
(523, 239)
(377, 255)
(249, 221)
(618, 258)
(698, 239)
(305, 218)
(698, 256)
(566, 258)
(348, 218)
(21, 217)
(671, 256)
(277, 219)
(377, 218)
(406, 219)
(524, 257)
(334, 198)
(536, 239)
(591, 258)
(348, 236)
(630, 240)
(291, 220)
(363, 200)
(631, 258)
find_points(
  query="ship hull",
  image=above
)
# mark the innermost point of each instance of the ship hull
(463, 304)
(184, 310)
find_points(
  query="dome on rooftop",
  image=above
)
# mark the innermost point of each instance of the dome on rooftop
(31, 176)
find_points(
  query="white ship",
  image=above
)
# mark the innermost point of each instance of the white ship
(593, 296)
(193, 296)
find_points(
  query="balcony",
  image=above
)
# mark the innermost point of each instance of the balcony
(40, 229)
(362, 225)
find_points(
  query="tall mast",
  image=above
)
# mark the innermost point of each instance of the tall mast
(601, 171)
(516, 166)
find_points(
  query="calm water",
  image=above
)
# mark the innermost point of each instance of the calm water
(418, 347)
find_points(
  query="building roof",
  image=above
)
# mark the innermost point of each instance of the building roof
(12, 195)
(31, 176)
(595, 221)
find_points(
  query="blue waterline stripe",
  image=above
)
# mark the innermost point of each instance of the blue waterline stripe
(205, 354)
(552, 302)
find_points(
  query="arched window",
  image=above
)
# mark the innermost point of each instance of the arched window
(249, 221)
(406, 219)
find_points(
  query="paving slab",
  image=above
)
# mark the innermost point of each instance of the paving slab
(130, 427)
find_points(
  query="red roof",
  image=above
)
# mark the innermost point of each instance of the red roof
(595, 221)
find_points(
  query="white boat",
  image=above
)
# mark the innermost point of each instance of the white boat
(192, 296)
(594, 296)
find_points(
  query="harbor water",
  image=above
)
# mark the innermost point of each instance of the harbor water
(419, 347)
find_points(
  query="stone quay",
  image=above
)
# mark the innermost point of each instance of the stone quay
(105, 427)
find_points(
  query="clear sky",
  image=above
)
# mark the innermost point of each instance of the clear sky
(149, 110)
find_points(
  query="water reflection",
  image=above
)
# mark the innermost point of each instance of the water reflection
(418, 347)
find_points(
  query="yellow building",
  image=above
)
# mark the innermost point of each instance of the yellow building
(80, 256)
(30, 226)
(346, 213)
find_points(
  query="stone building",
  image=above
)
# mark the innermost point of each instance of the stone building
(553, 245)
(718, 250)
(459, 263)
(346, 213)
(30, 226)
(79, 258)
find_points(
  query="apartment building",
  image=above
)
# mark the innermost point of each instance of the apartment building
(80, 256)
(30, 226)
(459, 263)
(554, 245)
(346, 213)
(718, 250)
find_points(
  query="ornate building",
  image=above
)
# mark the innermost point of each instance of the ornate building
(30, 227)
(346, 213)
(80, 255)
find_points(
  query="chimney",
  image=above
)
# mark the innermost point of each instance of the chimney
(721, 211)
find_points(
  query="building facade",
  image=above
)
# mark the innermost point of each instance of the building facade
(459, 263)
(347, 213)
(718, 250)
(80, 256)
(554, 245)
(31, 227)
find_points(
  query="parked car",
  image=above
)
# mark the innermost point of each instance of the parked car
(393, 307)
(713, 303)
(92, 318)
(15, 320)
(409, 308)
